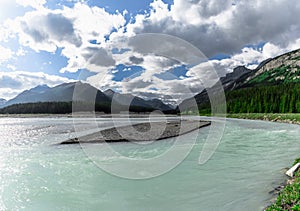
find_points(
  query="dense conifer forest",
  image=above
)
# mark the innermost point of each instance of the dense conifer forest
(282, 98)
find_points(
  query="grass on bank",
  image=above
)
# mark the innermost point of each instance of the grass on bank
(289, 197)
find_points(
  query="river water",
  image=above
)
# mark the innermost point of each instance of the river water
(36, 174)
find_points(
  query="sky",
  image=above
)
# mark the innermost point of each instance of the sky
(102, 43)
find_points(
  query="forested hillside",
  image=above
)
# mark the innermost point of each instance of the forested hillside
(283, 98)
(273, 87)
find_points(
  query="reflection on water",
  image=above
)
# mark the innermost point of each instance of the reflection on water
(37, 175)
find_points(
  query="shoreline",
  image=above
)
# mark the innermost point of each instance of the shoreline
(286, 190)
(286, 196)
(290, 118)
(293, 118)
(85, 115)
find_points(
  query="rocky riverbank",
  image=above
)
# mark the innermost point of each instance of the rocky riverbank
(291, 118)
(141, 132)
(288, 194)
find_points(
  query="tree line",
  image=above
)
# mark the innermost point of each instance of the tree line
(282, 98)
(67, 107)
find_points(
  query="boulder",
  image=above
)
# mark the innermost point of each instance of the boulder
(292, 170)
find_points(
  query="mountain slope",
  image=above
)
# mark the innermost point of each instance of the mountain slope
(2, 101)
(281, 69)
(274, 81)
(229, 82)
(28, 95)
(60, 93)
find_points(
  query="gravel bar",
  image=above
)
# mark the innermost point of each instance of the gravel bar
(141, 132)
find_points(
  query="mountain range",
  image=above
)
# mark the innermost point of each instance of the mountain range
(129, 99)
(274, 81)
(84, 93)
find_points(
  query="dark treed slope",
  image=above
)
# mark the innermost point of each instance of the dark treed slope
(282, 98)
(66, 107)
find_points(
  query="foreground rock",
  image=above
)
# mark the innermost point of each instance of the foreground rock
(292, 170)
(141, 132)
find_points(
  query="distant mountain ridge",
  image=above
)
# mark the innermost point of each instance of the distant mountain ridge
(84, 93)
(40, 88)
(129, 99)
(61, 93)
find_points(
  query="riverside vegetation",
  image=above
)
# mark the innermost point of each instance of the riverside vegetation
(289, 197)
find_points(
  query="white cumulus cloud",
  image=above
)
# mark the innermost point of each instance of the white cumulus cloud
(223, 28)
(5, 54)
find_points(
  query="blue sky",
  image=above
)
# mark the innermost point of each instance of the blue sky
(52, 42)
